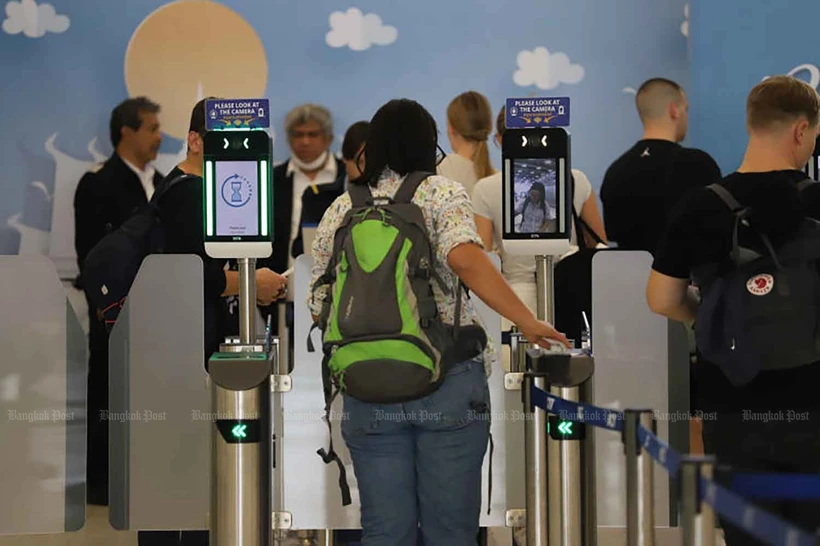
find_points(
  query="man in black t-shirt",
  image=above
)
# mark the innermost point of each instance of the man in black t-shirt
(772, 423)
(642, 186)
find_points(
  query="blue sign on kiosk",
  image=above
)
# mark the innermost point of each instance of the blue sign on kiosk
(237, 114)
(537, 112)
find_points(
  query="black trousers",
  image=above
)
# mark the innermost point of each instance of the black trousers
(748, 444)
(97, 437)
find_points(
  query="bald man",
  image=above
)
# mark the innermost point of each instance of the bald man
(642, 186)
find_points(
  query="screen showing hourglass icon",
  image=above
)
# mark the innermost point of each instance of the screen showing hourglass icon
(237, 204)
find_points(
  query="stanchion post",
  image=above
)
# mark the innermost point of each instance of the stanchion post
(640, 518)
(698, 518)
(535, 461)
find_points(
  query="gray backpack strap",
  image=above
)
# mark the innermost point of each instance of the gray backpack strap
(360, 195)
(803, 184)
(725, 196)
(737, 209)
(408, 188)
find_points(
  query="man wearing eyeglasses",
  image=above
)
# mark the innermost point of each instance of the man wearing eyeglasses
(303, 188)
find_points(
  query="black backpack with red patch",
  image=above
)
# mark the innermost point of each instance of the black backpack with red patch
(760, 309)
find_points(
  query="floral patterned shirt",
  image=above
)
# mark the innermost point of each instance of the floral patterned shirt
(448, 215)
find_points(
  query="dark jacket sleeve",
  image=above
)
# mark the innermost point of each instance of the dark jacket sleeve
(181, 211)
(89, 219)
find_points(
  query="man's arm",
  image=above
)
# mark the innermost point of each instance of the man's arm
(671, 297)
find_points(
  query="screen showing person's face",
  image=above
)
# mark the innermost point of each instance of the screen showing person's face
(534, 185)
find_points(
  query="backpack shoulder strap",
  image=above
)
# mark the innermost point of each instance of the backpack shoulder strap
(360, 195)
(408, 188)
(737, 209)
(803, 184)
(167, 185)
(726, 196)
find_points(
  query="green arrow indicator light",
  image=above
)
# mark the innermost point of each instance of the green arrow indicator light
(565, 428)
(239, 431)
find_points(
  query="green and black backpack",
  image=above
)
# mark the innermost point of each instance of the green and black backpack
(384, 340)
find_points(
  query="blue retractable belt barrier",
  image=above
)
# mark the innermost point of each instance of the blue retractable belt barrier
(776, 486)
(728, 504)
(659, 450)
(582, 413)
(752, 519)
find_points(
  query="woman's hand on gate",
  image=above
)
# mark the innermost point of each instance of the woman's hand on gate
(538, 333)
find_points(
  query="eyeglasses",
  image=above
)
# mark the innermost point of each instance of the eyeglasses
(440, 155)
(358, 159)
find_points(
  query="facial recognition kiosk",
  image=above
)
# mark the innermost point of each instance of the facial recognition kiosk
(237, 158)
(537, 221)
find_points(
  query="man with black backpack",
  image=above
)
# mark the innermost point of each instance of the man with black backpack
(105, 198)
(751, 245)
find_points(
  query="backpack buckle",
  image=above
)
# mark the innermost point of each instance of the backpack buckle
(425, 323)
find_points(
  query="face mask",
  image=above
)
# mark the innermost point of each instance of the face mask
(314, 165)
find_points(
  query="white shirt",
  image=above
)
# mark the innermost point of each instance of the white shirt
(460, 169)
(487, 203)
(146, 177)
(301, 182)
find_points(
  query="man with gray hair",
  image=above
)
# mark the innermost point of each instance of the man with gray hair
(311, 169)
(303, 187)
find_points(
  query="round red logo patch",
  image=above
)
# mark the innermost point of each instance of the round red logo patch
(760, 285)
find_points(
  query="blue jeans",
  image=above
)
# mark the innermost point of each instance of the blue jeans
(418, 464)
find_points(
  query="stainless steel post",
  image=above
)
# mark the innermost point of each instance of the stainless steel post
(564, 481)
(518, 351)
(640, 519)
(247, 300)
(241, 446)
(570, 481)
(545, 309)
(698, 518)
(535, 459)
(539, 520)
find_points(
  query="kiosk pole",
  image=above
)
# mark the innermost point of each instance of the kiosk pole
(545, 309)
(247, 300)
(540, 517)
(535, 460)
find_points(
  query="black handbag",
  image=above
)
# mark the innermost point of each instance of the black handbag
(573, 284)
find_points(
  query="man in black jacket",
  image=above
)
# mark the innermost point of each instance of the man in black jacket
(304, 186)
(106, 198)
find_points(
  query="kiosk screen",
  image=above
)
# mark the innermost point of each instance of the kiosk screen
(237, 200)
(535, 195)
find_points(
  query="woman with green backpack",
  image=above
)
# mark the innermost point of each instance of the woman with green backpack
(402, 342)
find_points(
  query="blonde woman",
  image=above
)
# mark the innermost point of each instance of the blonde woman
(469, 125)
